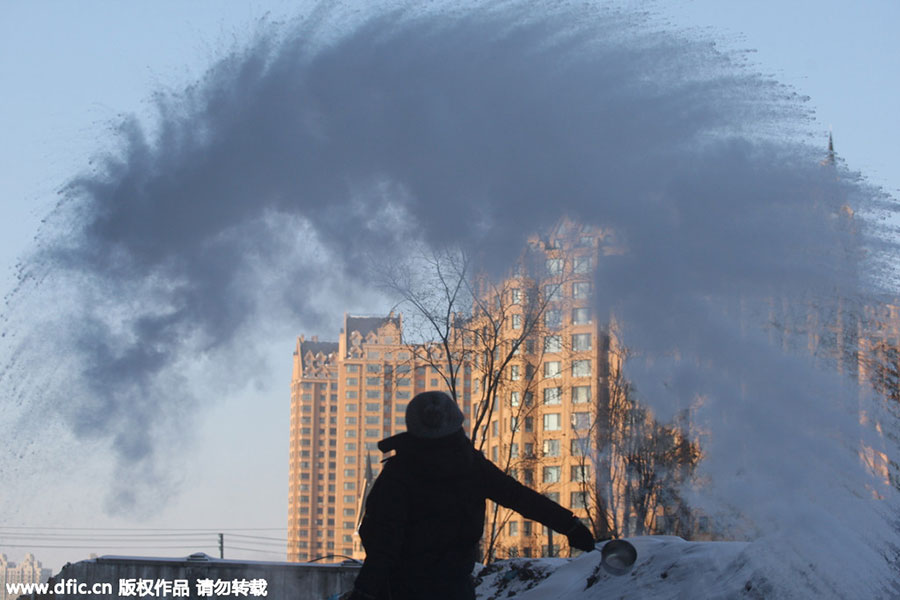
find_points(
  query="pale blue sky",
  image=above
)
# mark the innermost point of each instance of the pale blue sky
(68, 69)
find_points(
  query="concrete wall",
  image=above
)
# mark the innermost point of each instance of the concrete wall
(294, 581)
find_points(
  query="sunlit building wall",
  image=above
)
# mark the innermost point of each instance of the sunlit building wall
(540, 429)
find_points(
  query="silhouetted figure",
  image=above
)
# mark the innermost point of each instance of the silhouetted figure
(425, 513)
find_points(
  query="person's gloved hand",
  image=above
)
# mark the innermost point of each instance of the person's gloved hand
(580, 537)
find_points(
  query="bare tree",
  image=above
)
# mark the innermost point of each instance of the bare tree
(480, 336)
(464, 319)
(435, 285)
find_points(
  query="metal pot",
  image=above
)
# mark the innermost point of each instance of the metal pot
(617, 557)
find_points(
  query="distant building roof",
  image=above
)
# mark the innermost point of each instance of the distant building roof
(365, 325)
(316, 347)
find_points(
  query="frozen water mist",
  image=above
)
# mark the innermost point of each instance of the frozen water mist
(266, 185)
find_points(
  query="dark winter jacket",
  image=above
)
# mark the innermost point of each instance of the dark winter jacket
(425, 516)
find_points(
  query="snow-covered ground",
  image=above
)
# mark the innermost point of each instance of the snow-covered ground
(667, 567)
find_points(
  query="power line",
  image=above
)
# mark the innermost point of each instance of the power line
(138, 539)
(258, 537)
(260, 544)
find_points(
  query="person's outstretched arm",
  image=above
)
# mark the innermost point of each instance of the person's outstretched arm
(504, 490)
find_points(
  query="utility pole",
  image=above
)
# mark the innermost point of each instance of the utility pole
(221, 545)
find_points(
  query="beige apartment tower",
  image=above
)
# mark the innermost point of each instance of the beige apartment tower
(540, 428)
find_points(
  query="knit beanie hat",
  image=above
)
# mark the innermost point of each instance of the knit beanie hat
(433, 415)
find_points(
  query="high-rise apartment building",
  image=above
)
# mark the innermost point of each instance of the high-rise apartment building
(540, 428)
(312, 492)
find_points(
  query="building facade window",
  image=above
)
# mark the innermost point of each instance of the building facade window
(553, 292)
(581, 368)
(581, 265)
(581, 446)
(552, 318)
(552, 395)
(581, 316)
(554, 266)
(578, 500)
(550, 474)
(552, 343)
(581, 342)
(581, 473)
(552, 368)
(581, 290)
(551, 447)
(581, 421)
(552, 422)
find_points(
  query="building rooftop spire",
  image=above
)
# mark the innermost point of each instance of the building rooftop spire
(829, 158)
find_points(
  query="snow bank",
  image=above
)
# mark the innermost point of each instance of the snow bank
(667, 567)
